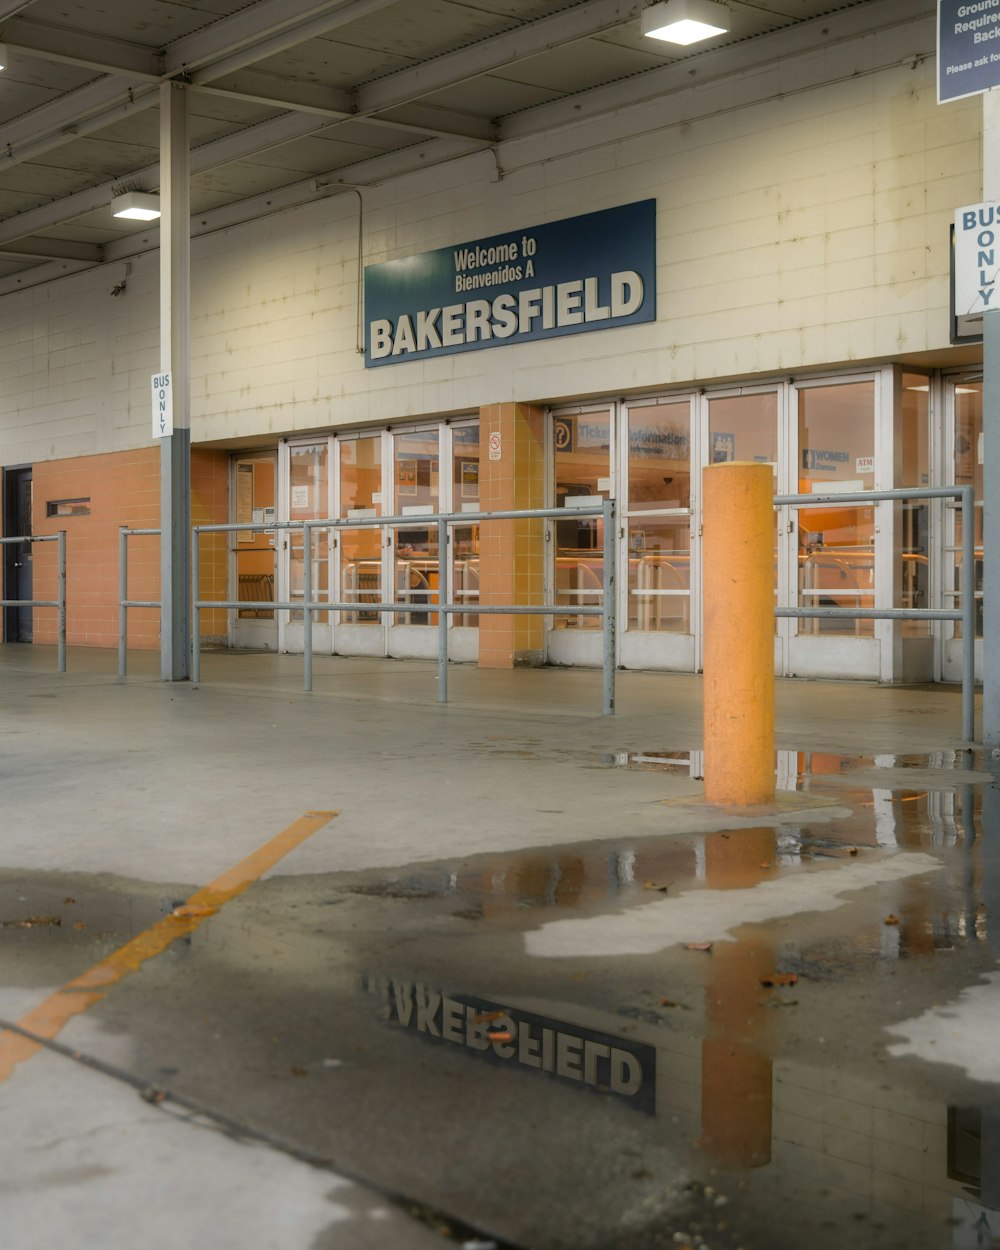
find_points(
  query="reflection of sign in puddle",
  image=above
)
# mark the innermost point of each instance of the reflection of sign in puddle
(597, 1061)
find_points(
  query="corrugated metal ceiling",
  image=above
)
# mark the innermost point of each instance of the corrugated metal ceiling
(328, 83)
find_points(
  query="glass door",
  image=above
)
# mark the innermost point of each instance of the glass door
(308, 478)
(464, 552)
(656, 536)
(745, 425)
(416, 493)
(583, 474)
(963, 467)
(832, 437)
(253, 555)
(361, 572)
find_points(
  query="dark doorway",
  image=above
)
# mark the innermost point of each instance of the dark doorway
(17, 556)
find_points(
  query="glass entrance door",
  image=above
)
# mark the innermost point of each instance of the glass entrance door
(252, 555)
(832, 437)
(963, 467)
(360, 563)
(583, 459)
(416, 493)
(657, 579)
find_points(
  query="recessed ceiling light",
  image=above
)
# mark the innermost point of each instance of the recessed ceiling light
(685, 21)
(136, 206)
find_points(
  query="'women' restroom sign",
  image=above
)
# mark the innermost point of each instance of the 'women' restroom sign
(593, 272)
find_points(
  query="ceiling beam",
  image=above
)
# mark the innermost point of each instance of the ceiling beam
(580, 22)
(53, 249)
(909, 37)
(53, 137)
(39, 274)
(260, 31)
(337, 106)
(235, 147)
(76, 47)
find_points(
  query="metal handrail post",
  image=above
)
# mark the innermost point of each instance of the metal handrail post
(195, 609)
(968, 589)
(307, 620)
(61, 597)
(608, 616)
(443, 598)
(122, 596)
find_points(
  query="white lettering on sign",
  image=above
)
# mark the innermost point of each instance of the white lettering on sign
(579, 302)
(496, 445)
(163, 405)
(977, 259)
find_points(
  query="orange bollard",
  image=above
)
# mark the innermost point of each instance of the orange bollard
(738, 597)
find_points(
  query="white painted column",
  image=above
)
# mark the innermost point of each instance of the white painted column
(175, 353)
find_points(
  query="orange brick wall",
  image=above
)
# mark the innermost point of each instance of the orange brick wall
(512, 553)
(124, 489)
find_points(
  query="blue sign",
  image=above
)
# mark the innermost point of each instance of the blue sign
(968, 48)
(585, 273)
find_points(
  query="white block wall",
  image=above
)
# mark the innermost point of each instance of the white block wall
(800, 226)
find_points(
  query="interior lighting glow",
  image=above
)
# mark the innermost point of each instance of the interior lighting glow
(685, 21)
(136, 206)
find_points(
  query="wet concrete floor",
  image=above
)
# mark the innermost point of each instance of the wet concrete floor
(669, 1025)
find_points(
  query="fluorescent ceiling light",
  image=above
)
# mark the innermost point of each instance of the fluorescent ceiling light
(136, 206)
(685, 21)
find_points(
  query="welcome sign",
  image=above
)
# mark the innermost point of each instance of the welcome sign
(594, 272)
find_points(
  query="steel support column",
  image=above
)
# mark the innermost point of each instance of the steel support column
(175, 353)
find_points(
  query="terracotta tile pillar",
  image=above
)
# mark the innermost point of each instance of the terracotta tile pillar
(511, 553)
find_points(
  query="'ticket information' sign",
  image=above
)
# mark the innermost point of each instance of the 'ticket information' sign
(584, 273)
(968, 47)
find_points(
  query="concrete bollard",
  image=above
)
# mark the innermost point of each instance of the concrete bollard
(738, 597)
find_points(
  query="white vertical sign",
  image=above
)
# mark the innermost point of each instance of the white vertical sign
(977, 259)
(495, 445)
(163, 405)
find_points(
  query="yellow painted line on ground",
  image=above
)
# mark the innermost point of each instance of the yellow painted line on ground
(50, 1017)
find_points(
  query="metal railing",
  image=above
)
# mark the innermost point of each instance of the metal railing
(124, 602)
(444, 607)
(59, 602)
(966, 614)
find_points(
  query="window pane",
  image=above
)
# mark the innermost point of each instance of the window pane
(969, 472)
(307, 502)
(743, 427)
(255, 481)
(837, 545)
(361, 550)
(913, 516)
(416, 486)
(465, 538)
(659, 574)
(582, 472)
(659, 457)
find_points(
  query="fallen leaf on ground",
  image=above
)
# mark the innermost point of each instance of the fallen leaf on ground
(891, 920)
(779, 978)
(31, 921)
(485, 1017)
(699, 946)
(765, 865)
(69, 900)
(79, 925)
(500, 1035)
(297, 1071)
